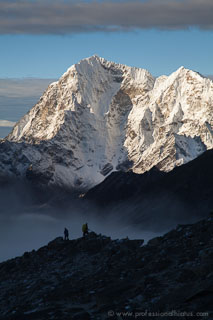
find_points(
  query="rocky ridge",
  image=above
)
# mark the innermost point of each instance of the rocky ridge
(102, 117)
(100, 278)
(156, 199)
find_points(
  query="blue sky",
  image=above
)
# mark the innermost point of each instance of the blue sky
(161, 52)
(43, 38)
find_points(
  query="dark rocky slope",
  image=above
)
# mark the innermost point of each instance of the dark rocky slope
(182, 195)
(86, 278)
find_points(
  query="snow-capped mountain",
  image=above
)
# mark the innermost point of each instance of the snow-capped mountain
(102, 116)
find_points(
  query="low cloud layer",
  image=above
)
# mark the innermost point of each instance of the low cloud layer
(67, 17)
(5, 123)
(23, 88)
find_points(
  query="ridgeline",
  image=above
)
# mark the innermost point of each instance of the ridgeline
(99, 278)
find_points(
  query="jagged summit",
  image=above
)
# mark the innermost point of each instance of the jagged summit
(101, 116)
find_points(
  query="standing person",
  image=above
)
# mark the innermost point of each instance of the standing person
(85, 229)
(66, 234)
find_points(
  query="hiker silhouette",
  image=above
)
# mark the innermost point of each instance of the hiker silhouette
(66, 234)
(85, 229)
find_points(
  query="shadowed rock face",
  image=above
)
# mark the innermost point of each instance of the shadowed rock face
(86, 278)
(156, 199)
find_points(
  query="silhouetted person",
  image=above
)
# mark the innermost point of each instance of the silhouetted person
(85, 229)
(66, 234)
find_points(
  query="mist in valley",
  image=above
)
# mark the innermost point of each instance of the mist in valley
(30, 219)
(27, 222)
(25, 232)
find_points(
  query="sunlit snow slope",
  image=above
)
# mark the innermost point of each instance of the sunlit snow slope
(102, 116)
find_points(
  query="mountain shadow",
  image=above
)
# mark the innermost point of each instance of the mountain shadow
(157, 199)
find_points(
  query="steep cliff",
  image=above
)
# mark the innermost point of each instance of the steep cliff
(102, 117)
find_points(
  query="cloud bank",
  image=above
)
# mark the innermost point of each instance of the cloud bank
(23, 88)
(5, 123)
(68, 17)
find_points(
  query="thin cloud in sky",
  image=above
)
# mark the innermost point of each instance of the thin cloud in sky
(5, 123)
(23, 88)
(68, 17)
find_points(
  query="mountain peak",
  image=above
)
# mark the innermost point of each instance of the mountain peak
(102, 117)
(94, 57)
(182, 70)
